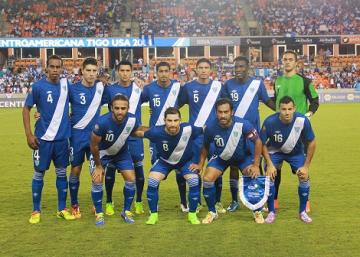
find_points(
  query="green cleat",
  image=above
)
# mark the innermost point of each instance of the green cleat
(139, 208)
(35, 217)
(193, 219)
(153, 219)
(65, 214)
(220, 208)
(109, 209)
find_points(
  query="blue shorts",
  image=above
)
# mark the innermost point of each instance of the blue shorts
(121, 162)
(165, 168)
(218, 163)
(56, 151)
(153, 152)
(295, 161)
(136, 147)
(79, 147)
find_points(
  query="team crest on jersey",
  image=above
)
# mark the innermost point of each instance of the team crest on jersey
(215, 89)
(297, 129)
(252, 90)
(236, 134)
(173, 92)
(63, 87)
(278, 86)
(137, 90)
(99, 91)
(127, 129)
(184, 139)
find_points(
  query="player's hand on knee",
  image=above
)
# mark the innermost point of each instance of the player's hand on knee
(33, 142)
(303, 173)
(271, 171)
(194, 167)
(98, 174)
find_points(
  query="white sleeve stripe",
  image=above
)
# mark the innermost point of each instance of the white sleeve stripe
(120, 141)
(134, 98)
(232, 142)
(294, 135)
(247, 98)
(55, 123)
(208, 104)
(92, 109)
(170, 102)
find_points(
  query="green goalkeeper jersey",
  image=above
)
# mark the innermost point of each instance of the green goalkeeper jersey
(300, 89)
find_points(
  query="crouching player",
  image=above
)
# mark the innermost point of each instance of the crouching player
(174, 144)
(109, 146)
(283, 134)
(229, 134)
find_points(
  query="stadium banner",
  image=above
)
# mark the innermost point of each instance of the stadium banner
(339, 97)
(91, 42)
(12, 102)
(304, 40)
(215, 41)
(350, 40)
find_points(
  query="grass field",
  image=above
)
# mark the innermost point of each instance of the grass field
(334, 201)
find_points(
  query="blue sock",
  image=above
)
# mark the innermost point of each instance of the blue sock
(61, 185)
(303, 191)
(153, 194)
(129, 193)
(74, 184)
(37, 186)
(218, 187)
(139, 174)
(97, 195)
(209, 195)
(194, 193)
(270, 201)
(181, 182)
(109, 183)
(234, 189)
(200, 183)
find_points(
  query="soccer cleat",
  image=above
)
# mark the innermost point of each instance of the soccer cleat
(139, 208)
(304, 217)
(75, 210)
(65, 214)
(234, 205)
(199, 208)
(210, 217)
(153, 219)
(127, 217)
(193, 219)
(258, 217)
(109, 209)
(220, 208)
(270, 218)
(99, 219)
(308, 206)
(35, 217)
(184, 208)
(276, 204)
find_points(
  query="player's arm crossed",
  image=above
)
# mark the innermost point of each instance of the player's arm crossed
(97, 175)
(139, 132)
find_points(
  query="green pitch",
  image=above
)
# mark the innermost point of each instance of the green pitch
(334, 202)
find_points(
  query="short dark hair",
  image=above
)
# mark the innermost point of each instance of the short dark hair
(242, 58)
(89, 61)
(172, 110)
(119, 97)
(54, 57)
(285, 100)
(223, 101)
(201, 60)
(160, 64)
(125, 62)
(291, 52)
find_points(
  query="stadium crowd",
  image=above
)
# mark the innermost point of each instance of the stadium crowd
(187, 18)
(62, 18)
(307, 17)
(18, 81)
